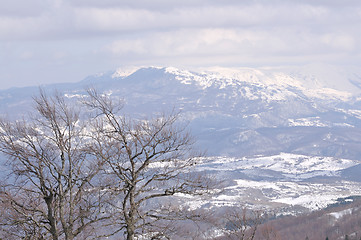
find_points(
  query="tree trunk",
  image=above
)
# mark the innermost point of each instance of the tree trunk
(69, 235)
(131, 215)
(130, 232)
(51, 219)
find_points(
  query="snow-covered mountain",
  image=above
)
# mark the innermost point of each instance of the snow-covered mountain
(235, 112)
(278, 137)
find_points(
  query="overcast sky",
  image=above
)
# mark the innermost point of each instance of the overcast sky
(48, 41)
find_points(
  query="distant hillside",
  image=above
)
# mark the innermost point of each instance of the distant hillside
(337, 222)
(234, 112)
(279, 140)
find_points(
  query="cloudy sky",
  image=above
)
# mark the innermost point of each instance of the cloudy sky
(48, 41)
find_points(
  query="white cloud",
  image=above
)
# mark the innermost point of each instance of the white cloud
(216, 42)
(339, 41)
(202, 32)
(26, 55)
(21, 8)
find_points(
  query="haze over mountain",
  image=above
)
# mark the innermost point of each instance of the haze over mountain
(237, 112)
(280, 138)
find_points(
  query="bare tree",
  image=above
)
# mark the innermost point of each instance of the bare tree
(52, 191)
(241, 224)
(268, 232)
(72, 177)
(150, 161)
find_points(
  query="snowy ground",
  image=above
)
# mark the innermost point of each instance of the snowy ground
(286, 183)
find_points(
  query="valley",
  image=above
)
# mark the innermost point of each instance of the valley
(283, 143)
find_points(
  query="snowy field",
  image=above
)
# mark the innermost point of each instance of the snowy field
(284, 183)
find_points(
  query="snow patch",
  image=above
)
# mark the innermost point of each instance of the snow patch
(124, 72)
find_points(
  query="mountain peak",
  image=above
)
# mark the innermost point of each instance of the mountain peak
(124, 71)
(243, 108)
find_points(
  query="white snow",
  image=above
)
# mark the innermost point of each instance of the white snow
(340, 214)
(310, 121)
(284, 188)
(291, 165)
(277, 85)
(124, 71)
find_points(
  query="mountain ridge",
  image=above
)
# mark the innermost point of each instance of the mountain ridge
(274, 144)
(231, 111)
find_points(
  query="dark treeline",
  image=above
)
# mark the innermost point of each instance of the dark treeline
(335, 223)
